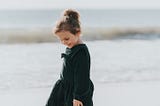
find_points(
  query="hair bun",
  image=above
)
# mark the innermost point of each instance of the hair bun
(72, 14)
(69, 21)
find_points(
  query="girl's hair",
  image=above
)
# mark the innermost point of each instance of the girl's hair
(68, 22)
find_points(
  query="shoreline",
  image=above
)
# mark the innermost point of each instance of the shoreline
(44, 34)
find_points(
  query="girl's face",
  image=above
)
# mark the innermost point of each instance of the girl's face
(68, 38)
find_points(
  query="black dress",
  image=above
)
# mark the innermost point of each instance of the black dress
(74, 82)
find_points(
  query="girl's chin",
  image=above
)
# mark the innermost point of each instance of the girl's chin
(69, 46)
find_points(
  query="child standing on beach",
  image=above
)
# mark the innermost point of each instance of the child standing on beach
(74, 87)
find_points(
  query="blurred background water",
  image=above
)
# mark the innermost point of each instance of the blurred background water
(89, 18)
(127, 46)
(29, 26)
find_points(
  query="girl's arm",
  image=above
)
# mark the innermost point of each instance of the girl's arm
(81, 75)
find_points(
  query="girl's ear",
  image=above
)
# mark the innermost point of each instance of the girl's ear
(78, 34)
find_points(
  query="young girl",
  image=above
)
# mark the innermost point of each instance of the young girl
(74, 87)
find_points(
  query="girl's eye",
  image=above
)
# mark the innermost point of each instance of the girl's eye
(66, 39)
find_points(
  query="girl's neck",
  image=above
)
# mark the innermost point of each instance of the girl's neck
(79, 42)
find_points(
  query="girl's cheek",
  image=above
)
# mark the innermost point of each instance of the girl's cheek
(69, 41)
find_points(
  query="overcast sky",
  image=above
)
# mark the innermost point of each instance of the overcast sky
(108, 4)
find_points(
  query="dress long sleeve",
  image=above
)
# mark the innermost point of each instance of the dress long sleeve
(81, 75)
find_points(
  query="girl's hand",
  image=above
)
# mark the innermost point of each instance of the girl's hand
(77, 103)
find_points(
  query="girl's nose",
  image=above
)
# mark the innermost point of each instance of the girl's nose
(64, 42)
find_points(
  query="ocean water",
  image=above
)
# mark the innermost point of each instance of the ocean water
(28, 66)
(89, 18)
(29, 26)
(132, 56)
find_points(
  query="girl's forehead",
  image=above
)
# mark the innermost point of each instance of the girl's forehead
(64, 34)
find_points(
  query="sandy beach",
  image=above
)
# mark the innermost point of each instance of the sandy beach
(115, 94)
